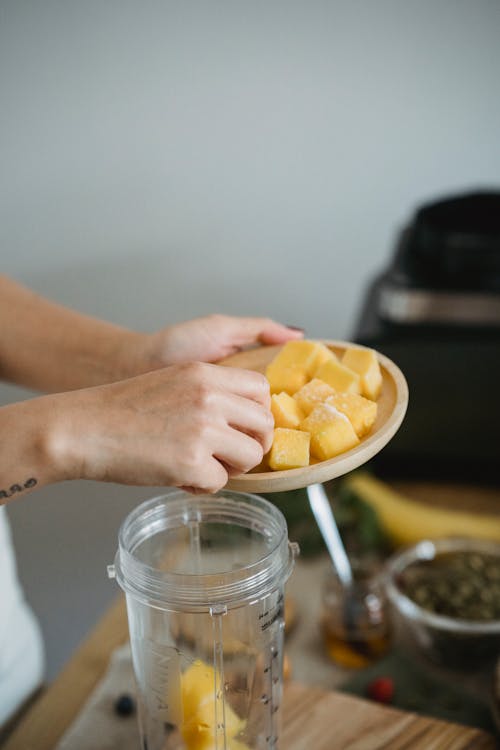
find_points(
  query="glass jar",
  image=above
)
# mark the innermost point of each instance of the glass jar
(355, 620)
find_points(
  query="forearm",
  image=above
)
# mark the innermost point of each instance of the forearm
(188, 425)
(51, 348)
(29, 457)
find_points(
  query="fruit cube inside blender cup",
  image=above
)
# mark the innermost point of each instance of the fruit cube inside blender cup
(199, 684)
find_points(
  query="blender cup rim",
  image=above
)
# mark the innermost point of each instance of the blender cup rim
(202, 591)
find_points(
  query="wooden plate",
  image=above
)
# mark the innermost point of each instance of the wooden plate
(392, 404)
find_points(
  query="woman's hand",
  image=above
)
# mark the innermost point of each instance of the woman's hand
(64, 350)
(209, 339)
(190, 425)
(158, 421)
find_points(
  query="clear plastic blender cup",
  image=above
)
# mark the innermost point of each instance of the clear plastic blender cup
(204, 580)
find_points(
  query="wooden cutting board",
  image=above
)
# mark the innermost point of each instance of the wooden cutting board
(315, 719)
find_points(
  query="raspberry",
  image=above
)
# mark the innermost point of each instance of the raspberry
(381, 689)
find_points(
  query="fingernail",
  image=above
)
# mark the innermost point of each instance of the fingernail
(295, 328)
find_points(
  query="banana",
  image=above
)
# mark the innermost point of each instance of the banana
(407, 521)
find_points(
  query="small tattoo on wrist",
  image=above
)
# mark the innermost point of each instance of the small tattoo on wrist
(27, 485)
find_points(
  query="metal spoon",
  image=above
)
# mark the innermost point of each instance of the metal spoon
(325, 519)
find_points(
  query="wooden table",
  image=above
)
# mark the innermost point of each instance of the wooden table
(314, 719)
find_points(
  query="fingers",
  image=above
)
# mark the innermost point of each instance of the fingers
(211, 479)
(246, 383)
(249, 417)
(267, 331)
(234, 423)
(210, 339)
(189, 425)
(234, 420)
(237, 451)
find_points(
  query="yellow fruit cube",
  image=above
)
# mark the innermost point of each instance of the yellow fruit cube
(205, 741)
(330, 430)
(294, 357)
(365, 363)
(361, 412)
(322, 354)
(288, 378)
(286, 411)
(206, 715)
(339, 377)
(197, 682)
(197, 737)
(199, 685)
(236, 745)
(303, 354)
(311, 394)
(290, 449)
(200, 738)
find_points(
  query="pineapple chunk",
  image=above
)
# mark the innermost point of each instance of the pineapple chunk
(288, 378)
(323, 354)
(365, 363)
(201, 738)
(339, 377)
(330, 430)
(312, 394)
(361, 412)
(206, 741)
(286, 411)
(295, 364)
(304, 354)
(197, 737)
(290, 449)
(199, 685)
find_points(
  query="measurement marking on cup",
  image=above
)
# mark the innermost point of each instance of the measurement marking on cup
(267, 624)
(217, 612)
(272, 615)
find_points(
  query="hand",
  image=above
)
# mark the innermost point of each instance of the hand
(190, 426)
(210, 339)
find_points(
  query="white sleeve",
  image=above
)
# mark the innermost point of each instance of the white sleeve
(21, 648)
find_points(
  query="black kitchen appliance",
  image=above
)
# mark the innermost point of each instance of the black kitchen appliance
(436, 312)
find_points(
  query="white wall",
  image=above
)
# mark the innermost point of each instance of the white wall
(160, 160)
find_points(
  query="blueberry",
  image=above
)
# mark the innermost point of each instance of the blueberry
(124, 705)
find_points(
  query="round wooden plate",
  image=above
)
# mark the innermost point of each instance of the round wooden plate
(392, 404)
